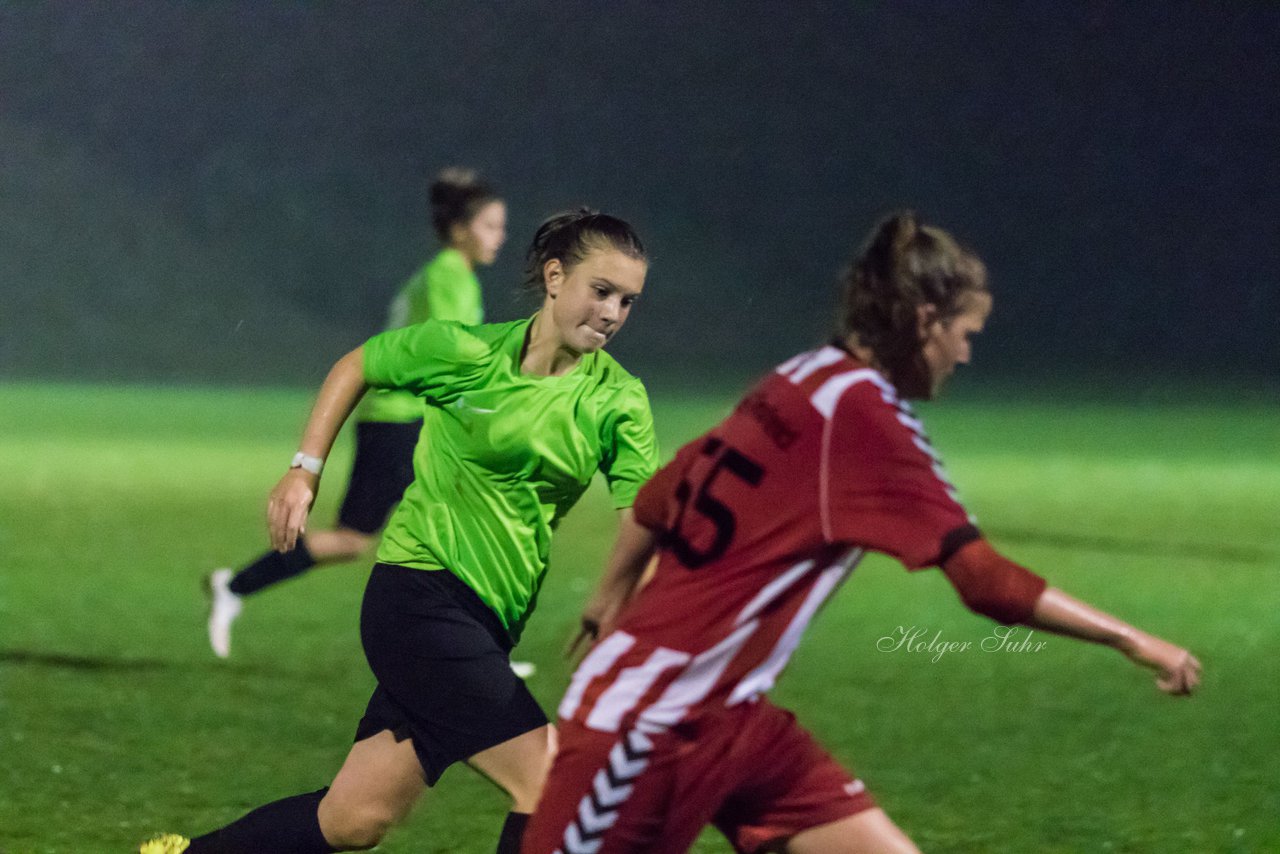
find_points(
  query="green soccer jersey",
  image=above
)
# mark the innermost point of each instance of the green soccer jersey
(507, 453)
(446, 288)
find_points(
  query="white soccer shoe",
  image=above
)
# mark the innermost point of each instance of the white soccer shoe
(224, 607)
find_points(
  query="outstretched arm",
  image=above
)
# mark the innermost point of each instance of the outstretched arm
(995, 586)
(1178, 670)
(624, 573)
(292, 497)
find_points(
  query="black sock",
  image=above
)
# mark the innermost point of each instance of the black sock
(272, 568)
(290, 826)
(512, 833)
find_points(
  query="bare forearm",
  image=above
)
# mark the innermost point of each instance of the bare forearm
(341, 391)
(631, 553)
(625, 571)
(992, 585)
(290, 502)
(1178, 670)
(1062, 614)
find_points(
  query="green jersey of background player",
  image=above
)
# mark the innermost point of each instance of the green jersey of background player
(446, 288)
(470, 220)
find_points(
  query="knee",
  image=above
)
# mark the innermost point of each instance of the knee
(355, 826)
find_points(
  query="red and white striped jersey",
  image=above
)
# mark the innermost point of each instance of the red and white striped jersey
(760, 520)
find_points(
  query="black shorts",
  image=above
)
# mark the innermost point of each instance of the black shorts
(442, 661)
(382, 468)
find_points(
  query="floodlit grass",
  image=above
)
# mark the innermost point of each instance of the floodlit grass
(117, 722)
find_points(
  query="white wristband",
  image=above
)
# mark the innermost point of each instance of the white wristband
(315, 465)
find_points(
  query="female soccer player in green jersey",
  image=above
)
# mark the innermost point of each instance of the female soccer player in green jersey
(519, 416)
(470, 220)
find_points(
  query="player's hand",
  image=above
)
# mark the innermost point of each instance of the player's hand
(1178, 669)
(288, 506)
(596, 622)
(587, 634)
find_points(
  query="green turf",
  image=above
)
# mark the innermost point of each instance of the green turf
(116, 721)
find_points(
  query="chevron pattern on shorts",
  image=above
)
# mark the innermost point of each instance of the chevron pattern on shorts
(610, 788)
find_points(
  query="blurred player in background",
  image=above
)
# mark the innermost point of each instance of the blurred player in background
(518, 418)
(471, 221)
(665, 726)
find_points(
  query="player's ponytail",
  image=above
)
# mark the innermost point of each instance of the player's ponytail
(571, 235)
(903, 265)
(457, 195)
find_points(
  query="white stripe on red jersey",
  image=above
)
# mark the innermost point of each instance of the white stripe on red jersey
(825, 399)
(761, 679)
(773, 590)
(801, 367)
(631, 685)
(695, 683)
(597, 663)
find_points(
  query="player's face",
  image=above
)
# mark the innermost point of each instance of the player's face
(589, 302)
(482, 237)
(946, 343)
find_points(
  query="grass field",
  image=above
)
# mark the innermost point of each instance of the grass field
(116, 721)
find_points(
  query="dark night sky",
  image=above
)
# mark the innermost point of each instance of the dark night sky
(232, 191)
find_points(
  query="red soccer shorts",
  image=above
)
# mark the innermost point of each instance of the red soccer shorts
(752, 770)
